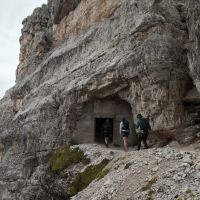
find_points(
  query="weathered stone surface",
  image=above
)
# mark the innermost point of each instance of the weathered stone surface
(142, 52)
(86, 14)
(60, 9)
(35, 40)
(187, 135)
(193, 24)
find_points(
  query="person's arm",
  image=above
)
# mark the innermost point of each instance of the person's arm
(137, 125)
(149, 126)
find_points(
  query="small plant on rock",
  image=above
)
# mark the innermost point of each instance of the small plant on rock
(64, 157)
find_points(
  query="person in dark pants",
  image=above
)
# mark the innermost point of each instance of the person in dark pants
(143, 124)
(107, 131)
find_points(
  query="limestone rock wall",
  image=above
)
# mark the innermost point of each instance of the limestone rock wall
(74, 52)
(35, 41)
(193, 24)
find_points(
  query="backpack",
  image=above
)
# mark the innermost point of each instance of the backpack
(125, 125)
(144, 124)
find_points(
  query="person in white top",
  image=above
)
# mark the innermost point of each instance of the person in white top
(124, 132)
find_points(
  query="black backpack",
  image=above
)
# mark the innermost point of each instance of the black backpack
(144, 124)
(125, 125)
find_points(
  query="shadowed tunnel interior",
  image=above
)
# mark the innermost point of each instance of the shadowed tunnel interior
(99, 135)
(90, 125)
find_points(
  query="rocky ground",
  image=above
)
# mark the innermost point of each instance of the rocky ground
(156, 173)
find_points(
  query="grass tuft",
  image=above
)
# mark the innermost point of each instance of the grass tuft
(64, 157)
(91, 173)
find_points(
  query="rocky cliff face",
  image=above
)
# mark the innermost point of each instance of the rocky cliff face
(144, 52)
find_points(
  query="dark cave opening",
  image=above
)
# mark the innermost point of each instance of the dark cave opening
(99, 123)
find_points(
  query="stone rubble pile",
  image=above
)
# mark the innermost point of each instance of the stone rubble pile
(164, 173)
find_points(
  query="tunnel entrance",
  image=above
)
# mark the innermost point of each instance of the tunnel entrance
(99, 133)
(89, 125)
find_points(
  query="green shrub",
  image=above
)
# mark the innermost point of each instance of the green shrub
(64, 157)
(91, 173)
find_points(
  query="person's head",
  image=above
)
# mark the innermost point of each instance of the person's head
(123, 119)
(139, 116)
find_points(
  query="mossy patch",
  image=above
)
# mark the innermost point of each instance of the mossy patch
(64, 157)
(91, 173)
(148, 185)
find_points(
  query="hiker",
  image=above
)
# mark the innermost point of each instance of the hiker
(124, 132)
(107, 131)
(143, 124)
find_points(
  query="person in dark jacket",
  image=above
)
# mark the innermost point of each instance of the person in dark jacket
(144, 126)
(107, 131)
